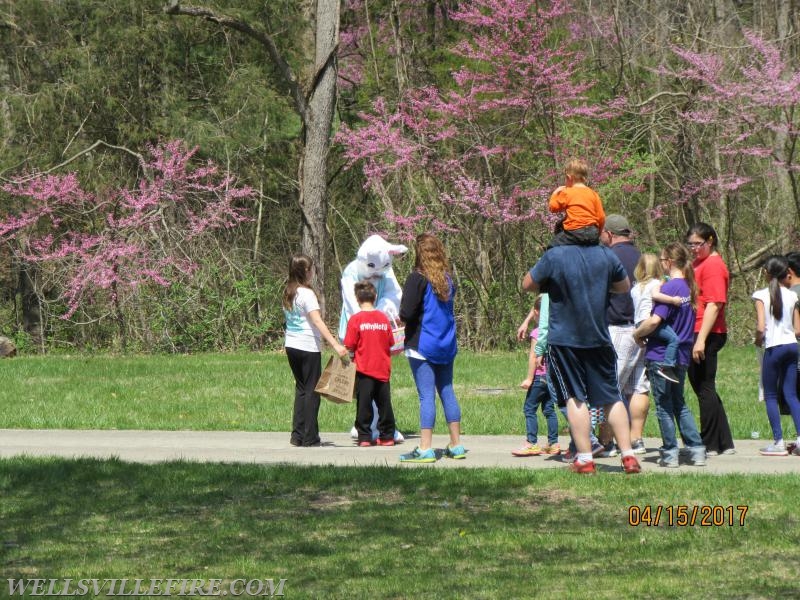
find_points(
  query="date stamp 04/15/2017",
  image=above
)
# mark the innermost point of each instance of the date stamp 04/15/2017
(702, 515)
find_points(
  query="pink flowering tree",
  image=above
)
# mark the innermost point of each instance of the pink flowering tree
(100, 249)
(745, 106)
(476, 157)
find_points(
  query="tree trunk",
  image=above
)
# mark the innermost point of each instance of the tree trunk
(30, 303)
(313, 172)
(314, 98)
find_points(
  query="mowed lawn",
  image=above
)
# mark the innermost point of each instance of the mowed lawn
(254, 392)
(403, 533)
(386, 532)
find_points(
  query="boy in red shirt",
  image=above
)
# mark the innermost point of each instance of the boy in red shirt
(584, 217)
(369, 335)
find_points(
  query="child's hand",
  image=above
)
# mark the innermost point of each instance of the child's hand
(526, 384)
(341, 351)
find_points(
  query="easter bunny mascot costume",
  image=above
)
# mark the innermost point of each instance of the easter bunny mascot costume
(373, 263)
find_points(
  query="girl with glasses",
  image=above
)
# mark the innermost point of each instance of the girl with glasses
(710, 335)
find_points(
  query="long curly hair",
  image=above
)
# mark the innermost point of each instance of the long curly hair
(431, 261)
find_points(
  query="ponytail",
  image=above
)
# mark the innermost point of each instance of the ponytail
(777, 268)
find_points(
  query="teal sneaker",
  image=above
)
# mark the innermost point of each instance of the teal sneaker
(419, 456)
(455, 452)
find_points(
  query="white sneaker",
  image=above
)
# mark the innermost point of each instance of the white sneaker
(398, 437)
(354, 433)
(775, 450)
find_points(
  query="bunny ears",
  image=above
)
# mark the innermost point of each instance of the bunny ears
(375, 244)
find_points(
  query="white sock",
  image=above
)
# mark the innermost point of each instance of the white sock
(584, 457)
(628, 452)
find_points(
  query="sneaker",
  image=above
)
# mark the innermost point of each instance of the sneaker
(381, 442)
(598, 449)
(609, 451)
(354, 433)
(584, 468)
(365, 444)
(712, 453)
(527, 450)
(631, 465)
(669, 464)
(295, 442)
(729, 451)
(698, 462)
(553, 450)
(796, 450)
(455, 452)
(668, 373)
(638, 446)
(398, 437)
(569, 456)
(774, 450)
(419, 456)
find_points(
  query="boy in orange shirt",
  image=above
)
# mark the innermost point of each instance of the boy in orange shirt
(584, 216)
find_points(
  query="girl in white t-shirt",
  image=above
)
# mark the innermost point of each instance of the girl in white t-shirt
(649, 277)
(777, 325)
(305, 330)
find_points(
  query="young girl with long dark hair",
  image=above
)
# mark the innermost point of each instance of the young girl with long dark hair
(777, 324)
(305, 330)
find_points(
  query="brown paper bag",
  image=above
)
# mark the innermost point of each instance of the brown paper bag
(338, 380)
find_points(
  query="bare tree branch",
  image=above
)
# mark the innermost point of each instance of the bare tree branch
(300, 103)
(97, 144)
(658, 95)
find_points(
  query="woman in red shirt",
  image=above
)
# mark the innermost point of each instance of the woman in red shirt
(710, 335)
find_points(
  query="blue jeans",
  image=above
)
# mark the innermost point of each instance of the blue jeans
(671, 409)
(539, 394)
(666, 334)
(430, 379)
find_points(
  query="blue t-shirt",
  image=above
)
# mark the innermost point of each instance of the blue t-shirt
(681, 319)
(578, 280)
(620, 306)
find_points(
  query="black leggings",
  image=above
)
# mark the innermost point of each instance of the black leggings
(714, 427)
(306, 368)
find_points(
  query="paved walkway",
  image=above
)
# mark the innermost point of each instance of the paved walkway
(337, 449)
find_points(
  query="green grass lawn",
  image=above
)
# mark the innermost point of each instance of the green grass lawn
(370, 532)
(254, 392)
(399, 533)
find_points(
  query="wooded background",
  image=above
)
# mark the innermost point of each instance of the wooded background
(160, 160)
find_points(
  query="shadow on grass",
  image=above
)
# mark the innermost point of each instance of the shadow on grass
(366, 532)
